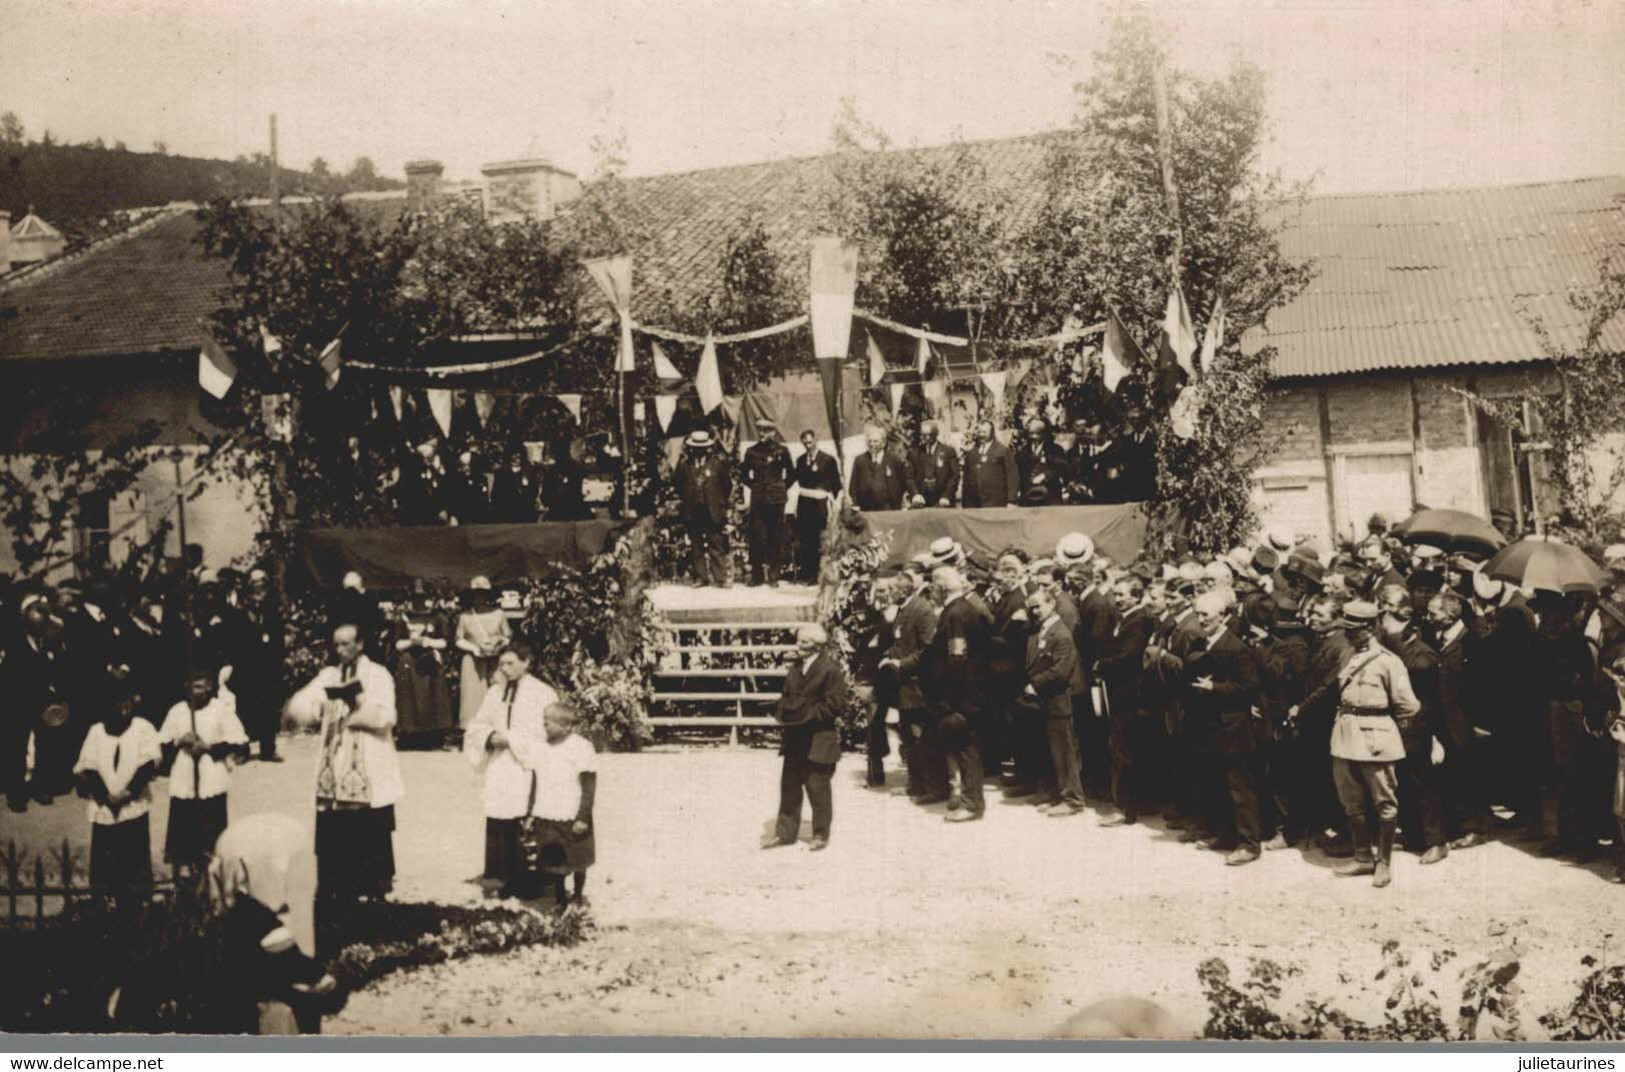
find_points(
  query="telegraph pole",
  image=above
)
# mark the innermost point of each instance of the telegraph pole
(276, 183)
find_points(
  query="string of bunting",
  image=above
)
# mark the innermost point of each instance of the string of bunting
(456, 370)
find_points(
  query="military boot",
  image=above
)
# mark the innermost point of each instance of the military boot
(1383, 874)
(1362, 863)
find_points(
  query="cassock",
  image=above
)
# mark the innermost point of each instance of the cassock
(817, 480)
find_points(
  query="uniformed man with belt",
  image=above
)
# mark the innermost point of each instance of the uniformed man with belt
(765, 471)
(818, 481)
(1375, 691)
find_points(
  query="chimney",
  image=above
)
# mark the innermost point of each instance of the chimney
(527, 189)
(422, 183)
(5, 241)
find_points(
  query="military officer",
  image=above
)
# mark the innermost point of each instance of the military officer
(1375, 692)
(765, 471)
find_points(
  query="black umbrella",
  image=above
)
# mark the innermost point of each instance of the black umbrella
(1451, 530)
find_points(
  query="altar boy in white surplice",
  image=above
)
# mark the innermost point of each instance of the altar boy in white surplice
(510, 713)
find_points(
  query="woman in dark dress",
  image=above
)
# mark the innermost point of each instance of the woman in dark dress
(424, 713)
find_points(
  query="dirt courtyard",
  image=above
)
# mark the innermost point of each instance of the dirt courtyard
(907, 925)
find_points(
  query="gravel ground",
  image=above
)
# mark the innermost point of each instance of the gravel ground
(907, 925)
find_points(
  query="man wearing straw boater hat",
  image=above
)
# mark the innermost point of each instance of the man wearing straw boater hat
(704, 484)
(1375, 690)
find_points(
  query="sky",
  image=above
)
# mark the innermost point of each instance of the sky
(1363, 94)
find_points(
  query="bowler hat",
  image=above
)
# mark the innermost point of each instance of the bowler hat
(1265, 559)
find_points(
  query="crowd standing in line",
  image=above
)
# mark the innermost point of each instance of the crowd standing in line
(1264, 699)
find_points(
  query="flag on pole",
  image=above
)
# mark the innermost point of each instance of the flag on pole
(332, 360)
(270, 344)
(1178, 342)
(994, 382)
(708, 381)
(440, 406)
(897, 390)
(877, 362)
(665, 371)
(216, 371)
(573, 404)
(1213, 338)
(922, 358)
(614, 278)
(834, 279)
(665, 410)
(1118, 353)
(484, 403)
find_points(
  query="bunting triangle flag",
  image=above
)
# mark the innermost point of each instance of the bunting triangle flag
(1177, 345)
(1118, 353)
(216, 371)
(397, 399)
(936, 395)
(440, 406)
(897, 390)
(614, 278)
(995, 382)
(708, 381)
(665, 410)
(332, 361)
(1213, 338)
(877, 362)
(484, 403)
(573, 404)
(665, 371)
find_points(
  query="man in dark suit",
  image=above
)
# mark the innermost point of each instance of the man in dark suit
(704, 484)
(1119, 668)
(258, 664)
(514, 492)
(818, 482)
(1097, 621)
(879, 480)
(914, 629)
(562, 491)
(991, 476)
(933, 470)
(765, 471)
(1467, 812)
(1007, 676)
(1280, 645)
(33, 678)
(956, 664)
(814, 695)
(1221, 690)
(1053, 680)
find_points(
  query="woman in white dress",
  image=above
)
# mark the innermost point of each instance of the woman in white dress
(482, 633)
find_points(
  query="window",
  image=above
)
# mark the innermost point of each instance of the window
(93, 531)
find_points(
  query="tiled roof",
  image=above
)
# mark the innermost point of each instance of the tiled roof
(1446, 277)
(1403, 280)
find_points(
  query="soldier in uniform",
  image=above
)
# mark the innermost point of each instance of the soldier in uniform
(878, 479)
(765, 471)
(1374, 693)
(704, 484)
(818, 480)
(933, 470)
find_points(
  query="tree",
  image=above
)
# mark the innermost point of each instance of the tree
(363, 174)
(1105, 236)
(1576, 410)
(160, 147)
(11, 129)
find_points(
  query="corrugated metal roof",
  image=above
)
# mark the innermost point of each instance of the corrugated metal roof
(1447, 277)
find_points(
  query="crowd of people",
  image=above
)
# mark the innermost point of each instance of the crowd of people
(1035, 469)
(116, 687)
(1266, 698)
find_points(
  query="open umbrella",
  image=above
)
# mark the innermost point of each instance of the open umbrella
(1549, 565)
(1451, 530)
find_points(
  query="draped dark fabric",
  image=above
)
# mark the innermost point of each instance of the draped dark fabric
(393, 558)
(1118, 530)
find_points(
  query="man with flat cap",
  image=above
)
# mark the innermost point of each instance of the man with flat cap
(1374, 695)
(933, 470)
(765, 471)
(704, 484)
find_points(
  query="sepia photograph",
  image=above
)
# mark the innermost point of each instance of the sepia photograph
(812, 524)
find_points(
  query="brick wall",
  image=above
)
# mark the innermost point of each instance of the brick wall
(1368, 409)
